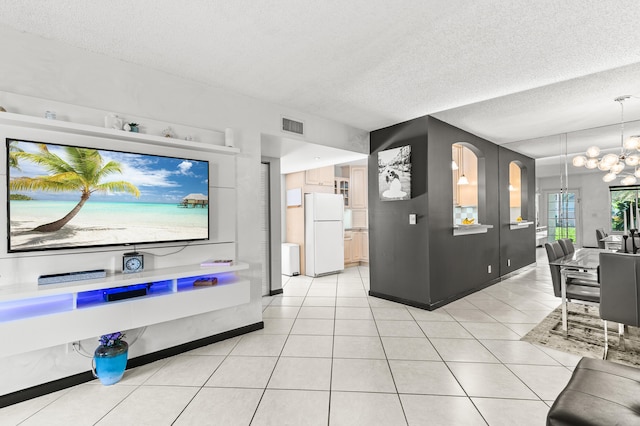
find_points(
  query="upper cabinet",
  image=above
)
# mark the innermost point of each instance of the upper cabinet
(342, 187)
(358, 187)
(320, 176)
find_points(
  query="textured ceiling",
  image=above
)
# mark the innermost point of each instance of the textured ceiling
(506, 70)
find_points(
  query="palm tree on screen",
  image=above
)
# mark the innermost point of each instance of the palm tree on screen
(13, 155)
(83, 172)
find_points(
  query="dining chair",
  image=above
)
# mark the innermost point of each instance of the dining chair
(567, 248)
(619, 291)
(567, 245)
(600, 234)
(579, 288)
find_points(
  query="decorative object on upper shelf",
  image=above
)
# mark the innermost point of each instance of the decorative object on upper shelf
(132, 262)
(112, 121)
(467, 221)
(217, 262)
(228, 137)
(614, 164)
(110, 358)
(131, 127)
(50, 115)
(394, 174)
(519, 219)
(168, 133)
(2, 109)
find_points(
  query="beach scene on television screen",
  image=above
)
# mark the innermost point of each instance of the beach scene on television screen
(66, 196)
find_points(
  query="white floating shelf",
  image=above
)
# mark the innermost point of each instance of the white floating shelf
(32, 290)
(29, 121)
(61, 327)
(470, 229)
(520, 225)
(34, 310)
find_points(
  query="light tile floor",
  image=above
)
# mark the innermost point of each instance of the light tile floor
(329, 354)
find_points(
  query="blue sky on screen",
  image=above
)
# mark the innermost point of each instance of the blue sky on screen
(159, 179)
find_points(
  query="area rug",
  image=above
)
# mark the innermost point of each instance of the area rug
(585, 335)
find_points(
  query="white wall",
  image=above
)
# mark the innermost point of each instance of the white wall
(595, 209)
(38, 74)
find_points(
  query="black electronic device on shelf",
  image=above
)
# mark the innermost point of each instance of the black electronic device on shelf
(126, 292)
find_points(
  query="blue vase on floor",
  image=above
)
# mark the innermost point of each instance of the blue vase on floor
(110, 362)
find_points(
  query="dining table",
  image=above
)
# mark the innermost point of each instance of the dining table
(583, 260)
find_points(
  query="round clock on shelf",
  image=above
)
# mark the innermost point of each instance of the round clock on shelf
(132, 262)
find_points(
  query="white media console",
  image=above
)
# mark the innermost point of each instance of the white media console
(68, 312)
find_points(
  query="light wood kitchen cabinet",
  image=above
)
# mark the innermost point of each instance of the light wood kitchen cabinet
(348, 248)
(341, 187)
(364, 246)
(358, 181)
(359, 218)
(356, 246)
(320, 176)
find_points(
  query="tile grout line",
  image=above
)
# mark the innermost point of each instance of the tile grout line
(264, 391)
(205, 382)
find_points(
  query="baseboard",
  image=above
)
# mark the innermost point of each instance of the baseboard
(441, 303)
(434, 305)
(399, 300)
(506, 276)
(87, 376)
(276, 291)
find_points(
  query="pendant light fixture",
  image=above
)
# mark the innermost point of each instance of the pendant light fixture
(463, 179)
(612, 163)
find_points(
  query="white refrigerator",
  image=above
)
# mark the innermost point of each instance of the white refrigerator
(323, 233)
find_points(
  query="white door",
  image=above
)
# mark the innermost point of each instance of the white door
(328, 206)
(329, 247)
(265, 241)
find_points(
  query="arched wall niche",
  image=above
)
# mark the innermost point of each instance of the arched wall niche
(515, 191)
(518, 191)
(468, 183)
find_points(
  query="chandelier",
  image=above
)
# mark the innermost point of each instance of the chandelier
(615, 164)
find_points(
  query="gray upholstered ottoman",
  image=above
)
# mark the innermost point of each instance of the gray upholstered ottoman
(598, 393)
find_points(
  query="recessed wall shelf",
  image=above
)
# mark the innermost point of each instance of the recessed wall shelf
(470, 229)
(32, 122)
(77, 310)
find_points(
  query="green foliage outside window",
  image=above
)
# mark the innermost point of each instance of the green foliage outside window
(623, 201)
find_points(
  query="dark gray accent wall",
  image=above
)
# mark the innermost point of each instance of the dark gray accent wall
(425, 265)
(460, 262)
(399, 252)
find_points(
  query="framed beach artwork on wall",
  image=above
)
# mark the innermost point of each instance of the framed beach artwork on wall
(394, 174)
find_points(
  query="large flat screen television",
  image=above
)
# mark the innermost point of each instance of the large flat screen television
(64, 197)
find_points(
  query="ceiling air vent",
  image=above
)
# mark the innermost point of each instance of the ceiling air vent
(289, 125)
